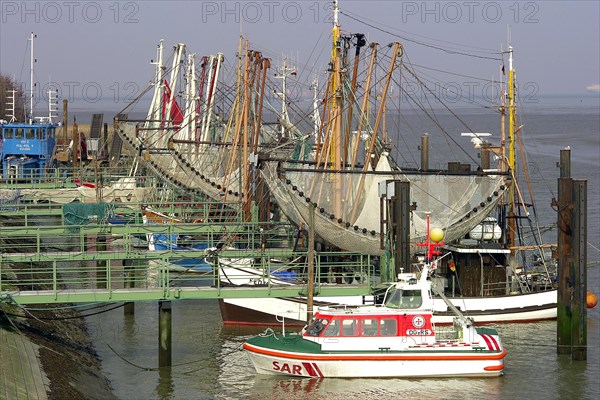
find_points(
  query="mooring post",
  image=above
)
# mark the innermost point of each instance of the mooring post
(101, 276)
(572, 259)
(103, 150)
(129, 307)
(579, 273)
(65, 126)
(76, 146)
(164, 334)
(425, 152)
(565, 163)
(401, 221)
(565, 285)
(485, 157)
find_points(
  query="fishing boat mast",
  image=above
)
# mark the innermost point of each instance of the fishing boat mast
(511, 123)
(32, 84)
(316, 117)
(336, 109)
(154, 110)
(286, 70)
(512, 226)
(171, 99)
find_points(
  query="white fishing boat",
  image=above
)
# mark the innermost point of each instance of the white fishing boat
(396, 339)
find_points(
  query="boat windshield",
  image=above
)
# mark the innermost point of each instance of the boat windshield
(400, 298)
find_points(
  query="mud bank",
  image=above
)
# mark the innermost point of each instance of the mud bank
(66, 352)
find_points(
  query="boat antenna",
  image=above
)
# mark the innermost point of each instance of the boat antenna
(316, 117)
(336, 11)
(31, 80)
(286, 70)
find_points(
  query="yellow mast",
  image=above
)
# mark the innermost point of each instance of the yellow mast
(245, 110)
(511, 149)
(511, 123)
(335, 149)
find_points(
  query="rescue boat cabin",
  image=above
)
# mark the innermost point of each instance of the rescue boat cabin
(27, 149)
(406, 312)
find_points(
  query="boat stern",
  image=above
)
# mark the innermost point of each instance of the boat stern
(490, 341)
(274, 354)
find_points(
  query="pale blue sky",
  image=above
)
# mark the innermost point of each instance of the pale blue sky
(107, 45)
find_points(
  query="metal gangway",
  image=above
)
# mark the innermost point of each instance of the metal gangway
(49, 255)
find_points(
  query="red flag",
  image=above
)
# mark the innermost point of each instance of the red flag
(176, 115)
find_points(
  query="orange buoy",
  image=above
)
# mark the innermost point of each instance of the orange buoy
(591, 299)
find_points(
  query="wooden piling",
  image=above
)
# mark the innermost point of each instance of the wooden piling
(571, 327)
(425, 152)
(401, 221)
(102, 151)
(128, 266)
(565, 285)
(129, 308)
(579, 273)
(565, 163)
(485, 158)
(164, 334)
(76, 146)
(101, 277)
(65, 123)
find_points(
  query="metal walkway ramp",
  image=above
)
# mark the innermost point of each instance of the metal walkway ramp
(46, 259)
(96, 127)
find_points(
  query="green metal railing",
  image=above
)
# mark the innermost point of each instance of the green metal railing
(96, 278)
(42, 260)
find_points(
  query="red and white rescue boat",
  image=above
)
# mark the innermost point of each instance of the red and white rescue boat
(396, 339)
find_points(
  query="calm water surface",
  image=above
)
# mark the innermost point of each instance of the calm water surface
(208, 363)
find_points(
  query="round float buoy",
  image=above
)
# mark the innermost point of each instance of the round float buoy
(436, 235)
(591, 299)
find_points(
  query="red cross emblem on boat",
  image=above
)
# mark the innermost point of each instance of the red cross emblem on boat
(418, 321)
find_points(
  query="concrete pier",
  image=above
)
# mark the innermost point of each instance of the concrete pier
(21, 375)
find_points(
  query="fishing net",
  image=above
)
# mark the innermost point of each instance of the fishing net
(348, 212)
